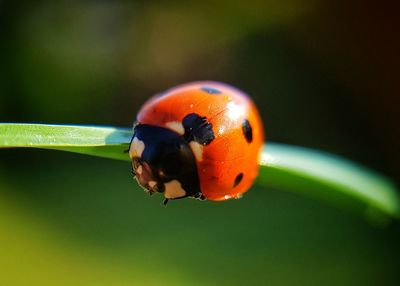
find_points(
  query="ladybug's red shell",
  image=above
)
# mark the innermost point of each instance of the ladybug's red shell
(228, 165)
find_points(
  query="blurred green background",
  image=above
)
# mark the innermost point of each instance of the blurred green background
(323, 75)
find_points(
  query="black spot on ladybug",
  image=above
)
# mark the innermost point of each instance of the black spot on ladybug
(238, 179)
(210, 90)
(197, 129)
(247, 131)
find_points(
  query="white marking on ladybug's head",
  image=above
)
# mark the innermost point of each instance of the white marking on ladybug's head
(235, 111)
(197, 150)
(137, 148)
(143, 172)
(152, 184)
(173, 190)
(176, 126)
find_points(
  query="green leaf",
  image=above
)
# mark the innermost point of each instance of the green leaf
(329, 177)
(98, 141)
(300, 170)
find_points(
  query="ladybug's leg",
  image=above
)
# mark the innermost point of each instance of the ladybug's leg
(133, 136)
(199, 196)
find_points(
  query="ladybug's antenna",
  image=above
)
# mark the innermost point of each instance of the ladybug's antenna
(165, 202)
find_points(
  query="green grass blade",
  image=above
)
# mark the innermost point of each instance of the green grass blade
(98, 141)
(328, 177)
(300, 170)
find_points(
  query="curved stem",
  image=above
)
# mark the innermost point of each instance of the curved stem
(328, 177)
(300, 170)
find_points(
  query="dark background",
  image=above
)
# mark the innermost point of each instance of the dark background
(323, 75)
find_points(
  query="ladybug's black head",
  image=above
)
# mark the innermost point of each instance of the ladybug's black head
(162, 161)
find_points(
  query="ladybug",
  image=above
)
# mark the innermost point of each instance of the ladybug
(198, 140)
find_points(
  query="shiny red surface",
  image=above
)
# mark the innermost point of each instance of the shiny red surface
(229, 154)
